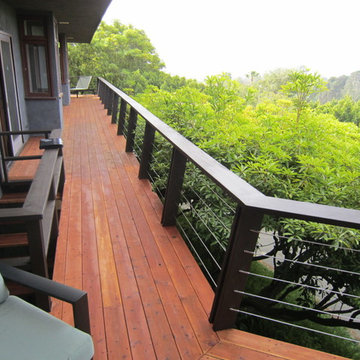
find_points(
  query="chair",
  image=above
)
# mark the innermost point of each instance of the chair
(82, 84)
(26, 332)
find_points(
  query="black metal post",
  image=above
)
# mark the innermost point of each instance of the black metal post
(111, 102)
(98, 82)
(146, 154)
(173, 189)
(107, 98)
(131, 131)
(122, 114)
(114, 110)
(103, 93)
(242, 241)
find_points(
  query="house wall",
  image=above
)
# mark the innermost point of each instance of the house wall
(35, 113)
(8, 24)
(65, 69)
(45, 114)
(48, 113)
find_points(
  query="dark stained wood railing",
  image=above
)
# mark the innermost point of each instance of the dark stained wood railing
(38, 215)
(252, 205)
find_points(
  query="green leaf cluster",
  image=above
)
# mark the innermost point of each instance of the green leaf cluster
(345, 109)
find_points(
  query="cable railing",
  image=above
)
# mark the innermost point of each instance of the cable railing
(224, 220)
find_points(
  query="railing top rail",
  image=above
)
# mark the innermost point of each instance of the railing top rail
(239, 189)
(233, 184)
(37, 197)
(38, 194)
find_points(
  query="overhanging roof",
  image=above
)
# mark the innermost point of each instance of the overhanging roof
(82, 16)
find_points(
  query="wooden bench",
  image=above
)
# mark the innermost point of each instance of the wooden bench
(29, 229)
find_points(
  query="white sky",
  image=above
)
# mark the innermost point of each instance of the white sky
(197, 38)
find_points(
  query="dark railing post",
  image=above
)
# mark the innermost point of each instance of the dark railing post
(238, 256)
(108, 99)
(38, 258)
(173, 189)
(106, 96)
(131, 131)
(103, 93)
(101, 90)
(114, 109)
(110, 102)
(122, 114)
(103, 99)
(146, 154)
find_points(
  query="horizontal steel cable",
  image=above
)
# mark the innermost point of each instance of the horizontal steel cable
(303, 263)
(306, 241)
(200, 239)
(204, 222)
(294, 325)
(302, 285)
(295, 305)
(197, 254)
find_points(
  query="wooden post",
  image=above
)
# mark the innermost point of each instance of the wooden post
(107, 99)
(39, 264)
(110, 101)
(173, 189)
(146, 154)
(98, 84)
(114, 109)
(131, 131)
(106, 95)
(103, 92)
(122, 114)
(242, 239)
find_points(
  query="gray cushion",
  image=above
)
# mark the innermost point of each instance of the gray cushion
(26, 332)
(4, 292)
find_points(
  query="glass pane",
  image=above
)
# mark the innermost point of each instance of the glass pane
(37, 68)
(10, 86)
(34, 28)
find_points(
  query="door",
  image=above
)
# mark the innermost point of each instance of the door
(9, 105)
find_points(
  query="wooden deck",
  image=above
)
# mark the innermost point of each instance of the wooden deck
(148, 298)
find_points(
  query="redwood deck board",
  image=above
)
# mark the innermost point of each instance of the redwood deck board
(25, 169)
(148, 299)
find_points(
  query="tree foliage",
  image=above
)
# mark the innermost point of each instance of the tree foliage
(300, 87)
(124, 56)
(316, 159)
(345, 109)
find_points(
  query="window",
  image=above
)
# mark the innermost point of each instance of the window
(35, 56)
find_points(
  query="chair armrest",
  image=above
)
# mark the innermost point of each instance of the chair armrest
(76, 297)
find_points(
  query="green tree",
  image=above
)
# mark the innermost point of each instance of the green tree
(345, 109)
(262, 145)
(300, 87)
(252, 76)
(121, 54)
(224, 92)
(352, 86)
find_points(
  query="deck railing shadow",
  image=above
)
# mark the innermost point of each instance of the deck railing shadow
(247, 206)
